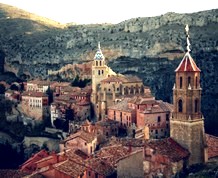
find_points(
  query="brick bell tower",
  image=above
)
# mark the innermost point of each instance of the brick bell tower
(187, 124)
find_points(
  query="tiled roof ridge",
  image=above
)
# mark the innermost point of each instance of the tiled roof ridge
(187, 64)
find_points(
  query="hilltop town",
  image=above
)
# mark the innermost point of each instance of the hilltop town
(112, 127)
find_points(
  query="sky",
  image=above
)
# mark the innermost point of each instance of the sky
(108, 11)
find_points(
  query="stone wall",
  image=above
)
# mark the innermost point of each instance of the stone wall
(190, 135)
(131, 166)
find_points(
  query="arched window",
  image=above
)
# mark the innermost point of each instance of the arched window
(180, 106)
(189, 81)
(180, 82)
(196, 105)
(196, 82)
(100, 63)
(96, 63)
(99, 72)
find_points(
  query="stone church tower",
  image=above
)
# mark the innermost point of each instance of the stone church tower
(187, 124)
(99, 72)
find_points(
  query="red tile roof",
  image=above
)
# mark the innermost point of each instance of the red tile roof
(169, 148)
(100, 166)
(34, 94)
(148, 99)
(187, 64)
(89, 137)
(27, 166)
(122, 79)
(122, 106)
(212, 143)
(9, 173)
(70, 168)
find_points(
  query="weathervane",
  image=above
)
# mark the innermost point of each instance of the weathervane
(187, 38)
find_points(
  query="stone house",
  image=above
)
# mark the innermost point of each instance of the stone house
(141, 112)
(82, 140)
(164, 158)
(103, 129)
(35, 104)
(71, 98)
(38, 85)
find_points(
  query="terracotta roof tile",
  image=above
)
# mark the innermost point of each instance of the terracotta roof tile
(140, 100)
(10, 173)
(122, 105)
(34, 94)
(89, 137)
(187, 64)
(70, 168)
(168, 147)
(122, 79)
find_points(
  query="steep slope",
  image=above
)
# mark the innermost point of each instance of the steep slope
(148, 47)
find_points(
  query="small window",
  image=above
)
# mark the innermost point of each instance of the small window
(180, 82)
(85, 143)
(102, 72)
(156, 131)
(180, 106)
(189, 81)
(158, 119)
(96, 63)
(196, 82)
(100, 63)
(167, 117)
(196, 105)
(99, 72)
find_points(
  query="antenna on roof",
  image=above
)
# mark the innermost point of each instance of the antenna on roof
(187, 38)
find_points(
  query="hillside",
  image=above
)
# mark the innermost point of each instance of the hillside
(149, 47)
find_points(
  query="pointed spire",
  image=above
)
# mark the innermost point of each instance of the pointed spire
(99, 46)
(187, 64)
(187, 38)
(99, 55)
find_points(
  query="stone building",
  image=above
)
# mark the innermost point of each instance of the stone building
(187, 123)
(107, 86)
(37, 85)
(103, 129)
(140, 112)
(35, 104)
(163, 158)
(71, 98)
(82, 140)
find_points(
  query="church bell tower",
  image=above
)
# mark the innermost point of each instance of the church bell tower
(99, 72)
(187, 124)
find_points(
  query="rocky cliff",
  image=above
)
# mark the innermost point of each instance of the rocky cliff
(149, 47)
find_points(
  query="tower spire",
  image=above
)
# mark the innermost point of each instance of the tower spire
(99, 46)
(187, 38)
